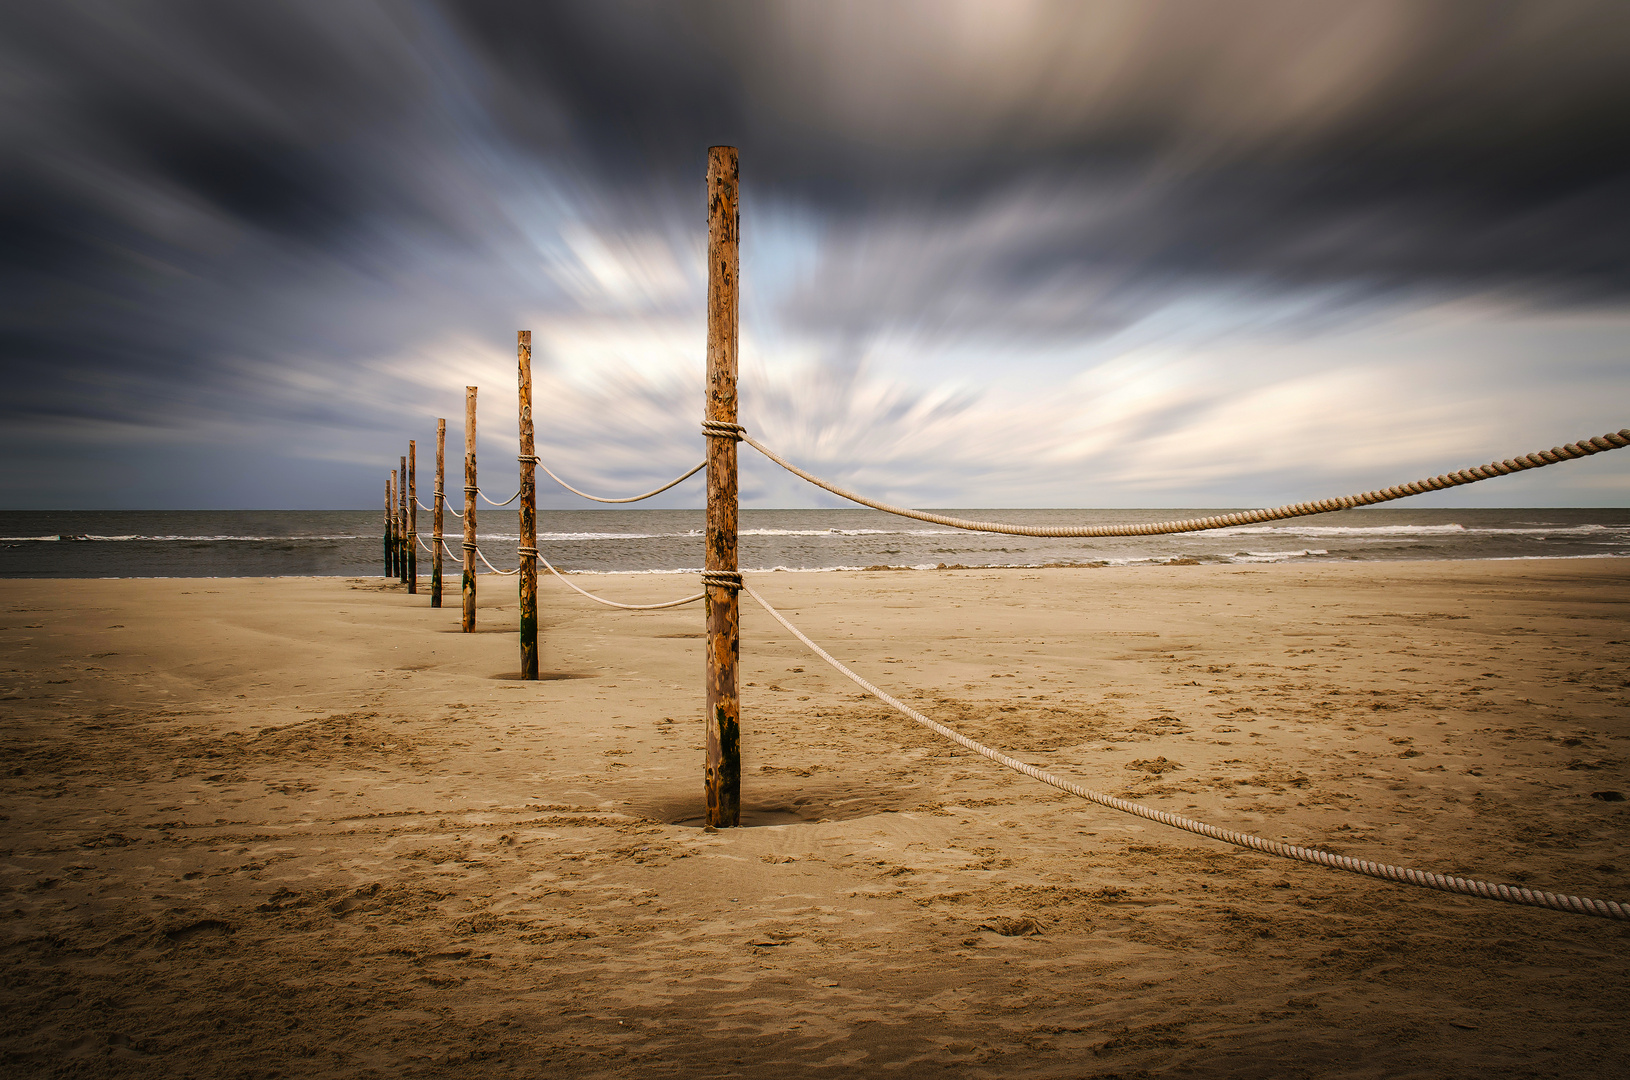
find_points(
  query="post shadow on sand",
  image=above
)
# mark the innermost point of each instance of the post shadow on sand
(772, 803)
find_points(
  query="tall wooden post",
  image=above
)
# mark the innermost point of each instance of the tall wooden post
(469, 509)
(413, 518)
(401, 525)
(528, 549)
(388, 501)
(441, 500)
(723, 770)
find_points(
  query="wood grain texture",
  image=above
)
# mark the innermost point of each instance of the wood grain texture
(722, 774)
(401, 523)
(436, 513)
(388, 539)
(529, 509)
(413, 518)
(469, 509)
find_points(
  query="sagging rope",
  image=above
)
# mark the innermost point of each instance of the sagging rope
(483, 557)
(530, 552)
(534, 459)
(506, 502)
(613, 603)
(478, 554)
(1510, 894)
(1584, 448)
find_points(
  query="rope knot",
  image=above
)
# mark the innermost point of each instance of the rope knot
(722, 579)
(527, 459)
(526, 552)
(721, 429)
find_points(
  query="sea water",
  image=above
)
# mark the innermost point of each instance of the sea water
(241, 543)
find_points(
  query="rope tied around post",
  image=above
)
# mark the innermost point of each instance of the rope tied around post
(723, 579)
(720, 429)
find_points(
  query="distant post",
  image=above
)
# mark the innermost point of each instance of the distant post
(722, 580)
(413, 518)
(469, 509)
(435, 522)
(528, 549)
(401, 523)
(388, 567)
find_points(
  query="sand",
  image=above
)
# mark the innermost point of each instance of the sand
(303, 827)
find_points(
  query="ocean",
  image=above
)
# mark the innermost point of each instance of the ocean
(272, 543)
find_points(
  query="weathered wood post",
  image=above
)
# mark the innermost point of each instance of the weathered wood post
(435, 521)
(401, 523)
(413, 518)
(722, 578)
(388, 566)
(469, 509)
(528, 549)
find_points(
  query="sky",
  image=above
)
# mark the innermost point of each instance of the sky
(1004, 253)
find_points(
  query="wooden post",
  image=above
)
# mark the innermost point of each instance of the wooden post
(469, 509)
(388, 566)
(441, 499)
(528, 550)
(413, 517)
(723, 770)
(401, 524)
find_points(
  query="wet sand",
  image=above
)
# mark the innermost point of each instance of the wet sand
(303, 827)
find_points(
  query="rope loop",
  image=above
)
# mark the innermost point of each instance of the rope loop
(722, 579)
(526, 552)
(722, 429)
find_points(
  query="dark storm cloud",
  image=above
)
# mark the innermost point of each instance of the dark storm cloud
(213, 211)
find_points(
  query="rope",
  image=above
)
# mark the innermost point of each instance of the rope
(506, 502)
(1510, 894)
(723, 429)
(632, 498)
(483, 557)
(723, 579)
(613, 603)
(1539, 459)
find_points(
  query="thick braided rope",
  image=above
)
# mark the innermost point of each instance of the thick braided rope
(723, 429)
(1511, 894)
(534, 459)
(1584, 448)
(506, 502)
(615, 604)
(722, 579)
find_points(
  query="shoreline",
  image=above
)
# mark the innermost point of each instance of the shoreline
(240, 797)
(1128, 564)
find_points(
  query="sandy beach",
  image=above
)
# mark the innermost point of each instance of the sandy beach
(304, 827)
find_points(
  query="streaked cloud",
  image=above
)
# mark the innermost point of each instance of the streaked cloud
(1018, 253)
